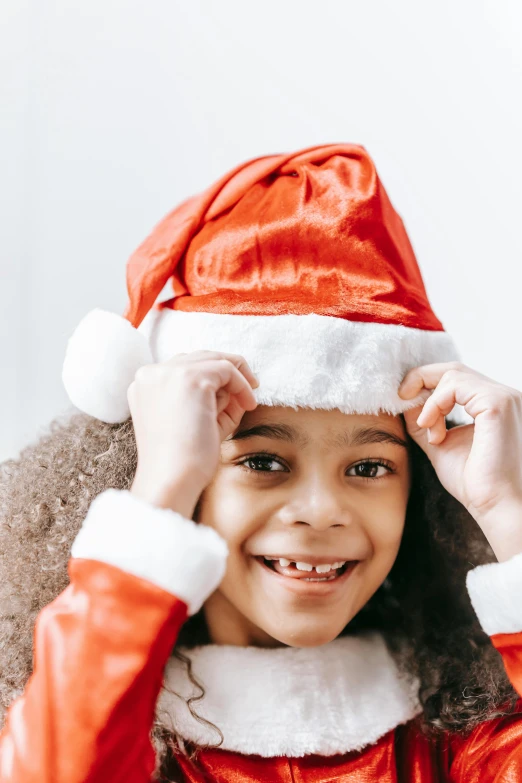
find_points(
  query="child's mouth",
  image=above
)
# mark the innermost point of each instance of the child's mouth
(306, 572)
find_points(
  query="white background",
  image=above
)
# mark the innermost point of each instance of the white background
(113, 112)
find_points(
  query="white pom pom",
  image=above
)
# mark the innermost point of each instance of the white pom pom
(102, 357)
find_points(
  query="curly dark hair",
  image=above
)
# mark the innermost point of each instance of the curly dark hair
(422, 608)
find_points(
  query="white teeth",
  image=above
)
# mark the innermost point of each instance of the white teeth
(321, 569)
(304, 567)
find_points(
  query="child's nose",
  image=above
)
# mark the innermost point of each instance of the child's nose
(318, 506)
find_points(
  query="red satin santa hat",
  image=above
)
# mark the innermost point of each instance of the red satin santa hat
(297, 261)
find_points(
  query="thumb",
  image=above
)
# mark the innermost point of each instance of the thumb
(418, 434)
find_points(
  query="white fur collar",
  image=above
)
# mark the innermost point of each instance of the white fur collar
(289, 701)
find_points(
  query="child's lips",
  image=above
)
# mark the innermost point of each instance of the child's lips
(318, 586)
(296, 573)
(291, 571)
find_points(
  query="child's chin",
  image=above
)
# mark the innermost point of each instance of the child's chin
(306, 634)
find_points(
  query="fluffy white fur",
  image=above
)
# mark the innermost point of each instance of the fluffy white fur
(187, 559)
(495, 590)
(101, 360)
(291, 701)
(313, 361)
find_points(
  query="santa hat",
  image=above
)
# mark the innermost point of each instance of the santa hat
(298, 262)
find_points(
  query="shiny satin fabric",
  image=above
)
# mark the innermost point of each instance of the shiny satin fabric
(86, 713)
(99, 651)
(308, 232)
(492, 754)
(393, 758)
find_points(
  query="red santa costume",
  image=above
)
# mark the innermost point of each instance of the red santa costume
(299, 263)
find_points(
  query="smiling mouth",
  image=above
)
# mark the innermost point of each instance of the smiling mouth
(293, 572)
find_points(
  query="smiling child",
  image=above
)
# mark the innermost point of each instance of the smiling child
(281, 538)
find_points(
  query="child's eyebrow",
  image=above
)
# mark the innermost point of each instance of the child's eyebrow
(277, 431)
(361, 436)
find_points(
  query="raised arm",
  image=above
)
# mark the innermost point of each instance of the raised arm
(136, 573)
(492, 753)
(139, 565)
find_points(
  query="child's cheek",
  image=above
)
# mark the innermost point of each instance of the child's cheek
(233, 510)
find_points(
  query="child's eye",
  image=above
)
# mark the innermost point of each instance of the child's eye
(372, 465)
(269, 463)
(263, 463)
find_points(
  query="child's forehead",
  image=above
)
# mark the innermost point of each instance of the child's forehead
(301, 417)
(302, 425)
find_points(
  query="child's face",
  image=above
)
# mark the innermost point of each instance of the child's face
(287, 486)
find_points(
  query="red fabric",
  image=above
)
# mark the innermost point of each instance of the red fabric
(306, 232)
(86, 713)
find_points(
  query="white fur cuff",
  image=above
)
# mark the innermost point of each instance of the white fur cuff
(495, 590)
(157, 544)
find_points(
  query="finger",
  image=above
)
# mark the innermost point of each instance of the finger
(427, 376)
(222, 400)
(437, 406)
(419, 434)
(236, 359)
(230, 418)
(223, 374)
(458, 385)
(425, 437)
(438, 431)
(433, 414)
(473, 391)
(242, 365)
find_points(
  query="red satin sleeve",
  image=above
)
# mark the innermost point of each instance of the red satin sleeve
(87, 711)
(492, 753)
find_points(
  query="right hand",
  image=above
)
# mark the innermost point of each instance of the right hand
(181, 410)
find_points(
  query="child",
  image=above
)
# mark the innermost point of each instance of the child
(269, 546)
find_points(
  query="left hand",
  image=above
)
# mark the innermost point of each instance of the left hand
(480, 464)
